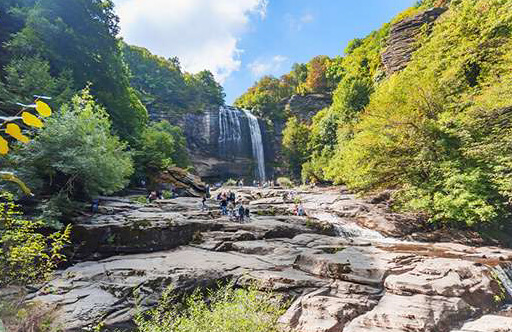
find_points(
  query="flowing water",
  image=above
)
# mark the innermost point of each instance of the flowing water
(257, 144)
(230, 133)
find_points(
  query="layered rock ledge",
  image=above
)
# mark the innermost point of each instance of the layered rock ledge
(339, 275)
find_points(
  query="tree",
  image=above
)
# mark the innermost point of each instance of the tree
(295, 145)
(80, 36)
(26, 256)
(75, 154)
(162, 145)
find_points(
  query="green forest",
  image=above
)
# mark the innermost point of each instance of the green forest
(437, 132)
(100, 138)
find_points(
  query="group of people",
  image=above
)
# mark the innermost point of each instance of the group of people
(229, 206)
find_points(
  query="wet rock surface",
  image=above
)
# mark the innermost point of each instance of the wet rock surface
(338, 275)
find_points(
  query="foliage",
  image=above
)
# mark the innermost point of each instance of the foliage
(204, 86)
(226, 309)
(78, 41)
(75, 154)
(161, 146)
(230, 183)
(295, 145)
(265, 98)
(26, 256)
(430, 129)
(284, 182)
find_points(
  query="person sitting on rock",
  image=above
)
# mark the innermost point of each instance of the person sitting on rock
(300, 210)
(152, 196)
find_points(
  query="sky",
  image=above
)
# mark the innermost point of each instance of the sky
(240, 41)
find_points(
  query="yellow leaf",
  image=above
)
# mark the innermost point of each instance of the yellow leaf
(43, 109)
(4, 146)
(15, 131)
(31, 120)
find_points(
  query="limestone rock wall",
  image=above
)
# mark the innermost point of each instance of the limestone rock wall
(402, 39)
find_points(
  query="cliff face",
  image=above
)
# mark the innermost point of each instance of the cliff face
(306, 106)
(403, 37)
(221, 146)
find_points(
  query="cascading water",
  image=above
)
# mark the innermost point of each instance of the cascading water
(257, 144)
(230, 133)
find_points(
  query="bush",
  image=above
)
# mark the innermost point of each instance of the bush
(26, 256)
(227, 309)
(75, 154)
(230, 183)
(285, 182)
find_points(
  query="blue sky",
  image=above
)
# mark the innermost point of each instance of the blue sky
(242, 40)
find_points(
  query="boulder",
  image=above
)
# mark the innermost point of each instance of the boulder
(185, 183)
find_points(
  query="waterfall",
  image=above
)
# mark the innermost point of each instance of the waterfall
(257, 144)
(230, 133)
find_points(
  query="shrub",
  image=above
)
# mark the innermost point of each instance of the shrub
(26, 256)
(284, 182)
(230, 183)
(226, 309)
(75, 154)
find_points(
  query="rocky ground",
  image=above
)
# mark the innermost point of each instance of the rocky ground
(340, 266)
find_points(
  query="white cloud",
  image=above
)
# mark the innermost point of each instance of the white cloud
(203, 33)
(272, 65)
(297, 23)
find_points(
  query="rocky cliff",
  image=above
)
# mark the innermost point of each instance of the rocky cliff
(402, 40)
(220, 143)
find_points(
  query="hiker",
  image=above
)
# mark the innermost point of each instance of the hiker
(223, 206)
(204, 207)
(152, 197)
(232, 196)
(231, 209)
(247, 213)
(300, 210)
(207, 190)
(241, 213)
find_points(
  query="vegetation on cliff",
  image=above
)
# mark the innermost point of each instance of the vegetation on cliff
(437, 132)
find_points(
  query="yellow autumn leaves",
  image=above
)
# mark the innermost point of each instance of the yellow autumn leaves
(29, 119)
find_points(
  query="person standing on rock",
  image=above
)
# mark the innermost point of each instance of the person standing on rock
(204, 207)
(241, 212)
(224, 206)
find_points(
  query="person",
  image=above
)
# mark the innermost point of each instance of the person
(152, 197)
(247, 213)
(231, 209)
(95, 205)
(204, 207)
(232, 197)
(295, 210)
(223, 206)
(241, 213)
(300, 210)
(207, 190)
